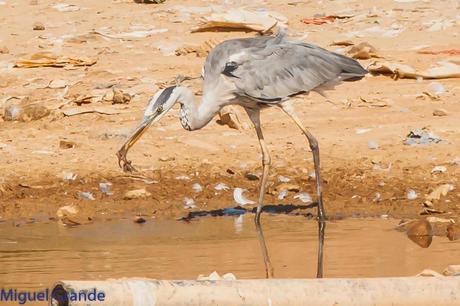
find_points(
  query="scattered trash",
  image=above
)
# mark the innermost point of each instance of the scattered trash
(439, 25)
(86, 195)
(400, 71)
(38, 26)
(139, 220)
(197, 187)
(68, 176)
(283, 179)
(117, 96)
(46, 59)
(439, 112)
(221, 186)
(189, 203)
(362, 131)
(304, 197)
(65, 144)
(420, 232)
(324, 19)
(183, 178)
(411, 194)
(429, 211)
(215, 276)
(421, 136)
(91, 109)
(200, 50)
(282, 194)
(105, 188)
(25, 113)
(439, 169)
(373, 145)
(440, 191)
(363, 51)
(228, 116)
(436, 88)
(452, 270)
(288, 187)
(240, 19)
(133, 35)
(239, 197)
(136, 194)
(64, 7)
(251, 176)
(438, 52)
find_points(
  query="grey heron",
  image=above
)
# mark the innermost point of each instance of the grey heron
(255, 73)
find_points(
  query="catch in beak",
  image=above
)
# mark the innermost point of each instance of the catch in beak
(159, 105)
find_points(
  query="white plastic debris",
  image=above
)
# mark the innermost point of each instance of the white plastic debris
(283, 179)
(373, 145)
(304, 197)
(86, 195)
(221, 186)
(68, 176)
(105, 188)
(182, 178)
(239, 197)
(362, 131)
(436, 88)
(283, 193)
(439, 169)
(64, 7)
(197, 187)
(189, 203)
(411, 194)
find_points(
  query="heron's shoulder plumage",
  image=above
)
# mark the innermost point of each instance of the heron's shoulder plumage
(272, 68)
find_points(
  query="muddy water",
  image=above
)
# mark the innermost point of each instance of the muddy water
(36, 255)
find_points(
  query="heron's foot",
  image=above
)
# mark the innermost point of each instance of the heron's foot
(124, 163)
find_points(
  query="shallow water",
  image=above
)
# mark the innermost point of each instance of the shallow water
(37, 255)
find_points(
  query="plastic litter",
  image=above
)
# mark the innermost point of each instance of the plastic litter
(240, 198)
(304, 197)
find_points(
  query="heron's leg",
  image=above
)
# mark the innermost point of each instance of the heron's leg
(254, 115)
(287, 107)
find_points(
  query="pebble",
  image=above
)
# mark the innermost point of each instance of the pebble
(420, 232)
(452, 270)
(139, 220)
(288, 187)
(251, 176)
(439, 112)
(65, 144)
(453, 232)
(4, 50)
(38, 26)
(136, 194)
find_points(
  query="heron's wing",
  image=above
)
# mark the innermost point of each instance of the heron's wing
(280, 70)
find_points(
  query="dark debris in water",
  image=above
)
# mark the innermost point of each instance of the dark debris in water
(289, 209)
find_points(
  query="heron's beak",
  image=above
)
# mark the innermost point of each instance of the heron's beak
(123, 162)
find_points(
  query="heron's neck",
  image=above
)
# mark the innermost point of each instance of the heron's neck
(193, 116)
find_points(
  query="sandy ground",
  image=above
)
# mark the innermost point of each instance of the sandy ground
(358, 181)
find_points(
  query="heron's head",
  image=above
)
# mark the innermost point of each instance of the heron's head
(160, 104)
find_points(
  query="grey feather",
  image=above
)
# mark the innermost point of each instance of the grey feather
(272, 68)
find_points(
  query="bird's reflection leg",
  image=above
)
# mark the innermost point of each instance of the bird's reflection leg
(287, 107)
(321, 231)
(254, 115)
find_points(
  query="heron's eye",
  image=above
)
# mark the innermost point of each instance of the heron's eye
(160, 109)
